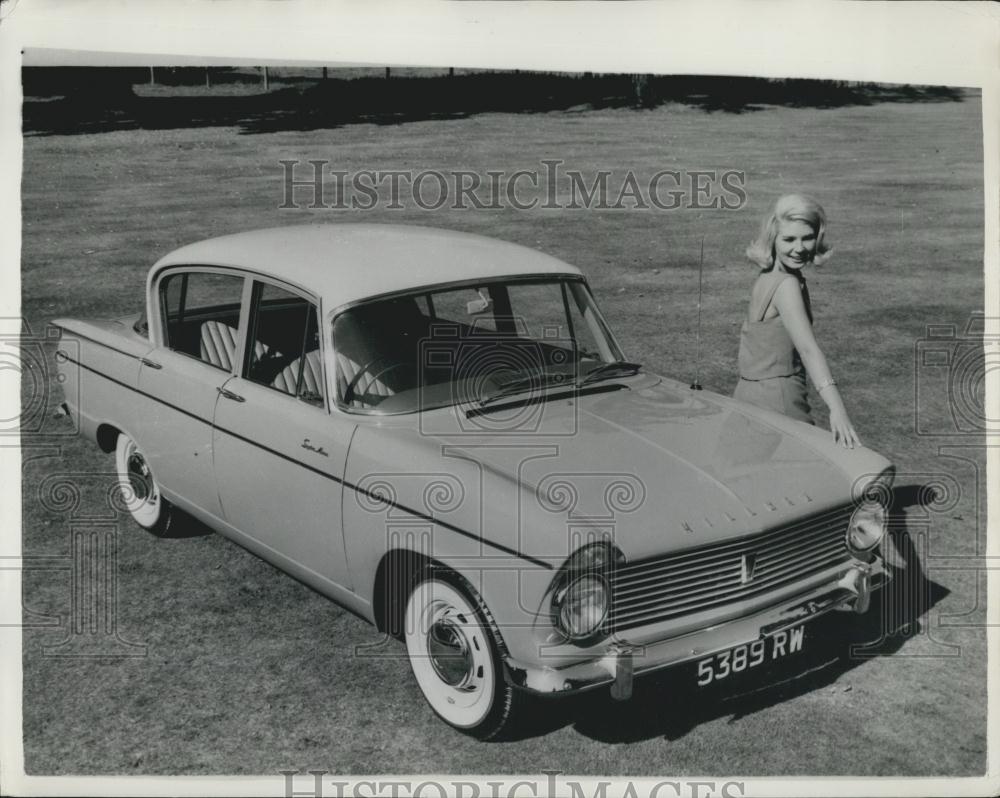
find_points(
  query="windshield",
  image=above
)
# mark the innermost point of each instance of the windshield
(468, 344)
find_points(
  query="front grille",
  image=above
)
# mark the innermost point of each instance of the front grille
(697, 579)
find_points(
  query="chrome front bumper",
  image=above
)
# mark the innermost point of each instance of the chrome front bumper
(623, 662)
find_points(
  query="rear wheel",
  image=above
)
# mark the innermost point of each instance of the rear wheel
(139, 489)
(455, 652)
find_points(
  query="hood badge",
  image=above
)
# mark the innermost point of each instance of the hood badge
(748, 564)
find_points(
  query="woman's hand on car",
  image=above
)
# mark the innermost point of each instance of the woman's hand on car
(842, 429)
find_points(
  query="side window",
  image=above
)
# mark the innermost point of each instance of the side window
(283, 351)
(201, 313)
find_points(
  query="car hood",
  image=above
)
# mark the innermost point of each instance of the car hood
(663, 467)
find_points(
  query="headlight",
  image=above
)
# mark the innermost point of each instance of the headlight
(867, 527)
(581, 595)
(583, 606)
(869, 520)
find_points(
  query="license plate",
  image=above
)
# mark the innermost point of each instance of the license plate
(750, 655)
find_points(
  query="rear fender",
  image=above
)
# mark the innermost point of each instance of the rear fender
(98, 364)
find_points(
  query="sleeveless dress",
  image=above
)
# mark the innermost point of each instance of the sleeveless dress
(771, 373)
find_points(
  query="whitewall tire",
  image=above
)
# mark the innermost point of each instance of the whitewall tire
(139, 490)
(454, 650)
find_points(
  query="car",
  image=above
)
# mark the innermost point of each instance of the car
(440, 432)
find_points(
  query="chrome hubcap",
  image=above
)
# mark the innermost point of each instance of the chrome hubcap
(138, 476)
(449, 652)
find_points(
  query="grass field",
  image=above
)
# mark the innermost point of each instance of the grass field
(247, 671)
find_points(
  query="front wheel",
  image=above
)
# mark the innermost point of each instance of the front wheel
(454, 649)
(140, 493)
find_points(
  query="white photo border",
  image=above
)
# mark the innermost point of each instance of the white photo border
(953, 44)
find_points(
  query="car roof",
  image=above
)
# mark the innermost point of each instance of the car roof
(344, 263)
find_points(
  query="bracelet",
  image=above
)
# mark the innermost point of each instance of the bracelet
(826, 384)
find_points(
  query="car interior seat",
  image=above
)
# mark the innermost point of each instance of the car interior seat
(312, 375)
(218, 344)
(378, 339)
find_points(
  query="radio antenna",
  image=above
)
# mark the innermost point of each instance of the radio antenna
(696, 385)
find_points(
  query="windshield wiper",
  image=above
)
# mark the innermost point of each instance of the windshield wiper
(546, 379)
(617, 368)
(541, 379)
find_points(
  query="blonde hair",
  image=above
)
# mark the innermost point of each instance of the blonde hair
(791, 208)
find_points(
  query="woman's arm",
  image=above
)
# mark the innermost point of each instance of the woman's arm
(791, 308)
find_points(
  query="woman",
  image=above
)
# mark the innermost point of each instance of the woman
(777, 346)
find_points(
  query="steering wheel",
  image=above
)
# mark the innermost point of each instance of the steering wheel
(369, 367)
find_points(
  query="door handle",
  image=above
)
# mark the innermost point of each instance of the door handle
(230, 395)
(151, 363)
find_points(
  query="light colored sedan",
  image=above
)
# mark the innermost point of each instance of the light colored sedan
(439, 432)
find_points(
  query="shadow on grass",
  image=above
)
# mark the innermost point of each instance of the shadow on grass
(183, 526)
(669, 705)
(333, 103)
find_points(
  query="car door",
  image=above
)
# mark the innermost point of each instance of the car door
(279, 453)
(201, 314)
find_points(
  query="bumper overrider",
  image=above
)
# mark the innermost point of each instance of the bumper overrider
(848, 590)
